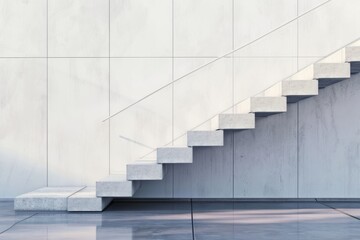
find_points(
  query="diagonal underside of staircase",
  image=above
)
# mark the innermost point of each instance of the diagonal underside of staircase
(273, 100)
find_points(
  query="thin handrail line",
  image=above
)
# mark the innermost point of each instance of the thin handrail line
(239, 101)
(215, 60)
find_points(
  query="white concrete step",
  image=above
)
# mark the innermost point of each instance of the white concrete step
(352, 55)
(262, 106)
(87, 201)
(205, 138)
(330, 73)
(293, 90)
(174, 155)
(45, 199)
(145, 170)
(235, 121)
(116, 185)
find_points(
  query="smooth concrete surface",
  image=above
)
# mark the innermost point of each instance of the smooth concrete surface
(23, 131)
(25, 38)
(330, 73)
(236, 121)
(71, 26)
(329, 142)
(205, 138)
(280, 221)
(293, 90)
(265, 159)
(174, 155)
(145, 170)
(210, 175)
(77, 137)
(352, 55)
(116, 185)
(46, 199)
(201, 95)
(262, 106)
(188, 220)
(86, 200)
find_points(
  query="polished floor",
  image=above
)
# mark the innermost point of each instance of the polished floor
(189, 220)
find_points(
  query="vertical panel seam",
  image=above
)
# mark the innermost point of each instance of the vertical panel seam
(47, 93)
(109, 100)
(172, 91)
(233, 97)
(297, 104)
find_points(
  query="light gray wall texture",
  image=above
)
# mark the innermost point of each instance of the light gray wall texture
(66, 65)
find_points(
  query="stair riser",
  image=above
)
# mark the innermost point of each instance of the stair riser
(331, 73)
(236, 121)
(45, 199)
(265, 106)
(116, 189)
(205, 138)
(145, 172)
(174, 155)
(88, 204)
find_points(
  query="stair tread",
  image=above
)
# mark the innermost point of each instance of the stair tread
(47, 198)
(114, 178)
(86, 200)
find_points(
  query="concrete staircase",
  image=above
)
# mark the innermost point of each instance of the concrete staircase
(332, 69)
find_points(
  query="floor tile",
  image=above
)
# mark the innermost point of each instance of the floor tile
(121, 220)
(290, 220)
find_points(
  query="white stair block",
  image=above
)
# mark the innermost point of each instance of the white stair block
(45, 199)
(205, 138)
(330, 73)
(174, 155)
(236, 121)
(145, 170)
(294, 90)
(87, 201)
(352, 55)
(262, 106)
(116, 185)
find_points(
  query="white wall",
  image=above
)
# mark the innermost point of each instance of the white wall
(66, 65)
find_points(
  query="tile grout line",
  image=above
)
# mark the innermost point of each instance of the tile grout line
(338, 210)
(14, 224)
(141, 57)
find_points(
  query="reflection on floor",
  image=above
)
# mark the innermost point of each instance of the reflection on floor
(189, 220)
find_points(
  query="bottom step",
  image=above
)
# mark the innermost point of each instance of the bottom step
(45, 199)
(86, 201)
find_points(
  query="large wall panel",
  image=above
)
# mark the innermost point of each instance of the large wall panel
(78, 139)
(22, 126)
(329, 142)
(265, 159)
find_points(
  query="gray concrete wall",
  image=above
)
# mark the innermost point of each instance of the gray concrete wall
(312, 151)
